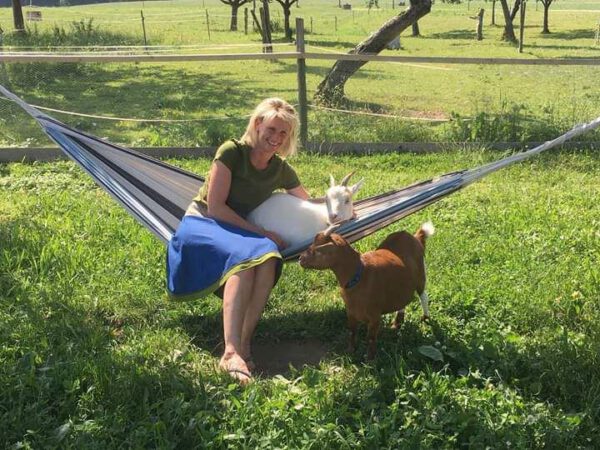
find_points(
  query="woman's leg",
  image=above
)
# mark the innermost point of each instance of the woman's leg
(264, 277)
(236, 298)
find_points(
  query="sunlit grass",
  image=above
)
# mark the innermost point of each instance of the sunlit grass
(217, 96)
(93, 354)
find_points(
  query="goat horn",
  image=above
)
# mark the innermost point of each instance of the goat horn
(331, 181)
(344, 181)
(330, 229)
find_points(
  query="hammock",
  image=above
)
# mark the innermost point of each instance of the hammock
(157, 194)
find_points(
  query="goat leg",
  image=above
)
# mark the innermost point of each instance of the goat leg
(424, 298)
(399, 320)
(352, 328)
(372, 332)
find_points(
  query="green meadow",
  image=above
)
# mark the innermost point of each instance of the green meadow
(481, 103)
(93, 354)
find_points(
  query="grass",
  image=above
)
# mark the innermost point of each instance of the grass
(95, 356)
(534, 102)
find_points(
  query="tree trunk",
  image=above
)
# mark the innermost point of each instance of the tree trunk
(493, 12)
(286, 24)
(286, 5)
(234, 17)
(546, 4)
(415, 29)
(515, 10)
(331, 89)
(509, 31)
(18, 15)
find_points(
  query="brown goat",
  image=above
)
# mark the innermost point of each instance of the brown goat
(377, 282)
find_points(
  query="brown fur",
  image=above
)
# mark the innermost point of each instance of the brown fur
(392, 274)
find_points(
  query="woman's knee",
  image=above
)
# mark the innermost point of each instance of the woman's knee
(268, 266)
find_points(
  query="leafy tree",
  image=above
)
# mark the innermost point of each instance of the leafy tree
(235, 6)
(287, 5)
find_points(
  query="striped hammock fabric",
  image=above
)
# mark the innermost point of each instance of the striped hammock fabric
(157, 194)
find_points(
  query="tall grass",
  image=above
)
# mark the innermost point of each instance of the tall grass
(93, 354)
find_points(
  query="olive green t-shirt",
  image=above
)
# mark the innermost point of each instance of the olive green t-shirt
(250, 186)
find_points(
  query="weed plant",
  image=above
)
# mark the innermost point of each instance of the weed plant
(93, 354)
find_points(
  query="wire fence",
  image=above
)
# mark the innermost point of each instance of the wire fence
(201, 103)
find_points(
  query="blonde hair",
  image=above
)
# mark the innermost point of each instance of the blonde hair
(268, 109)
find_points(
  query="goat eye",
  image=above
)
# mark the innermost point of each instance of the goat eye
(347, 201)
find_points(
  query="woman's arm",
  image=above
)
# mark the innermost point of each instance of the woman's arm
(299, 192)
(219, 185)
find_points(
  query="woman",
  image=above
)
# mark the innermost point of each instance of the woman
(217, 249)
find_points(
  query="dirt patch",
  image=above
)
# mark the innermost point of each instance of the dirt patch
(277, 357)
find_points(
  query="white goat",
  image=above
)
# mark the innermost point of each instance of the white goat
(297, 220)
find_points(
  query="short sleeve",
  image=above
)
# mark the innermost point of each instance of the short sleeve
(229, 154)
(289, 178)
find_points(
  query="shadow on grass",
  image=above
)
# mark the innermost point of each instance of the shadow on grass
(281, 342)
(452, 35)
(581, 33)
(317, 43)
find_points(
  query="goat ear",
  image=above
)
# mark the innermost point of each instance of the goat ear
(356, 187)
(344, 181)
(330, 229)
(331, 181)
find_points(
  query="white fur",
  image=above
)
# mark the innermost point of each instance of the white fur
(296, 220)
(428, 228)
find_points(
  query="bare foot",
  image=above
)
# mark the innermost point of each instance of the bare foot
(246, 353)
(236, 367)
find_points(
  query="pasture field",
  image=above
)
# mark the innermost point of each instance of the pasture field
(481, 102)
(93, 354)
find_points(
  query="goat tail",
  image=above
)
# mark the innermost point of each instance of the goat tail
(426, 230)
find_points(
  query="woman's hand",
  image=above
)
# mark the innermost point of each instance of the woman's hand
(281, 244)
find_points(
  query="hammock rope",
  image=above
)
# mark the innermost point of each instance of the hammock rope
(157, 194)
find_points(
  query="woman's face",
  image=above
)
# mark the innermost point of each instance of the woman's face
(272, 134)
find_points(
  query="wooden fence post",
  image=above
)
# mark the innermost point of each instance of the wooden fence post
(522, 28)
(302, 100)
(480, 25)
(335, 24)
(3, 73)
(598, 34)
(245, 20)
(207, 24)
(144, 28)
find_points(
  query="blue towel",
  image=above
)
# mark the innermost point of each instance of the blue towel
(203, 253)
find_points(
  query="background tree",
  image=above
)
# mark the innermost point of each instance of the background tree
(331, 89)
(515, 10)
(415, 26)
(235, 6)
(18, 15)
(509, 31)
(287, 5)
(546, 4)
